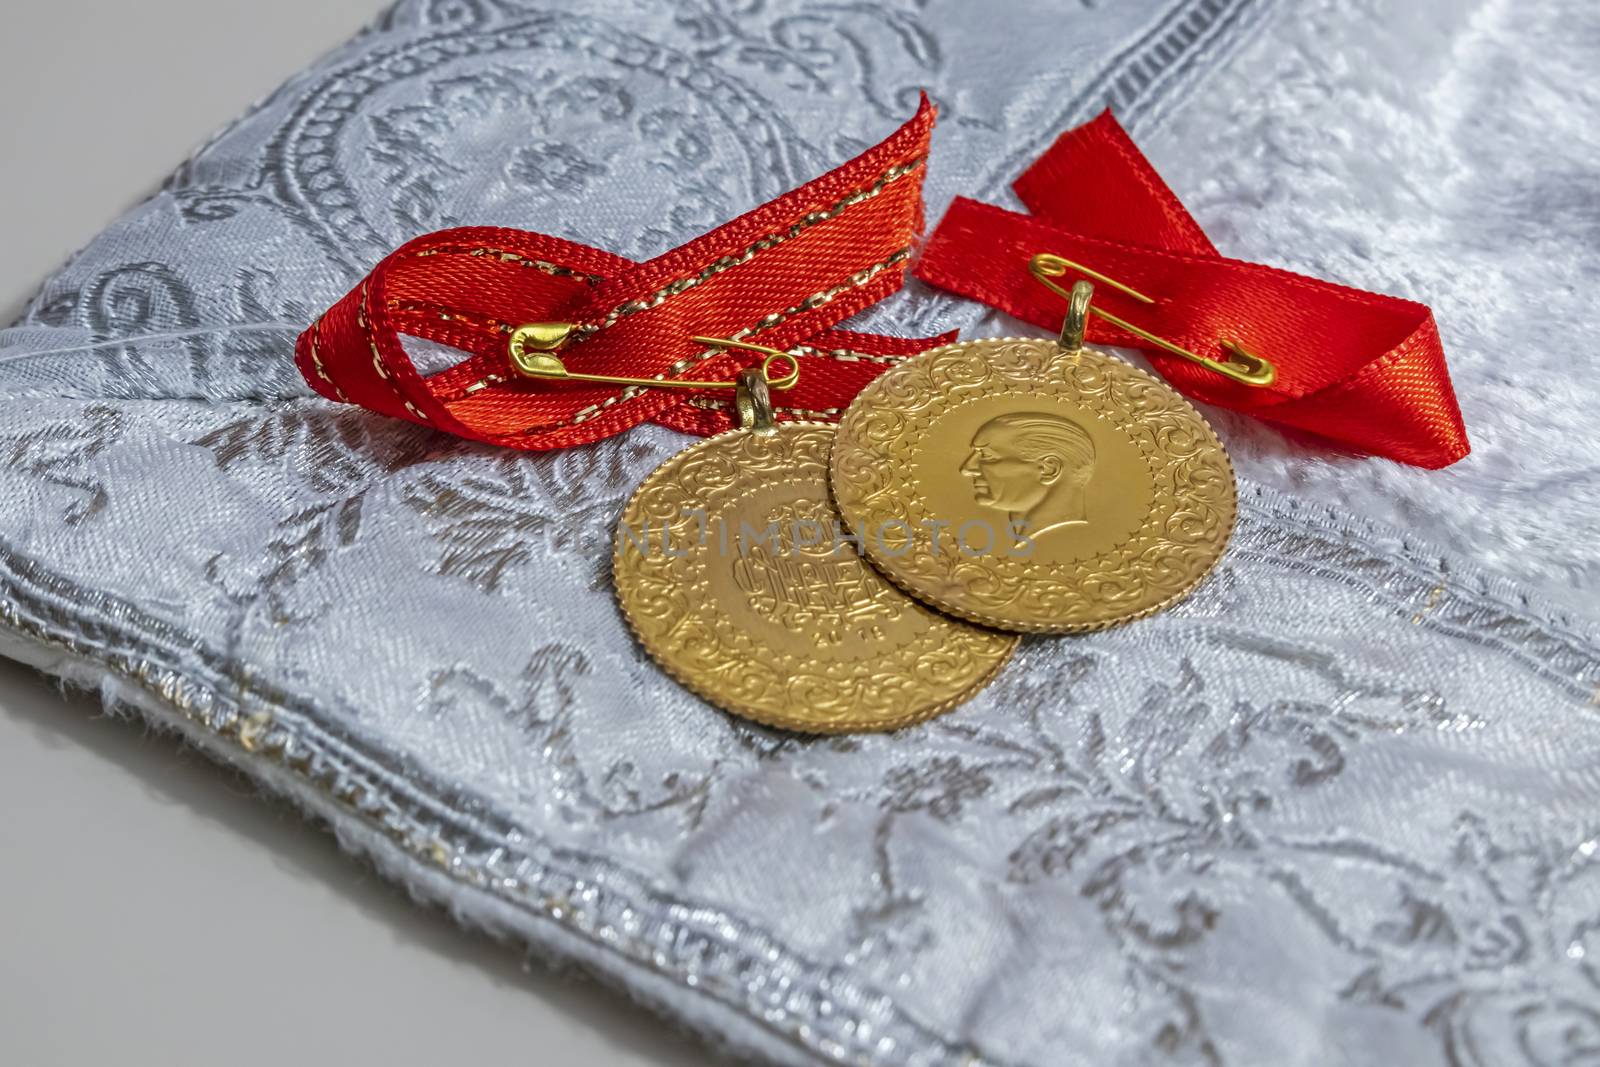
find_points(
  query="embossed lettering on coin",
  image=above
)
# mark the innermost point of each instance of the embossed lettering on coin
(1031, 489)
(739, 578)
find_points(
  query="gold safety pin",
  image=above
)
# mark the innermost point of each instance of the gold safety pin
(1244, 366)
(533, 350)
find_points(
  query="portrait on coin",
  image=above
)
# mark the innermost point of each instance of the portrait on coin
(1034, 466)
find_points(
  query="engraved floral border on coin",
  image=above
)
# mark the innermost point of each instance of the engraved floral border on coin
(1010, 362)
(659, 580)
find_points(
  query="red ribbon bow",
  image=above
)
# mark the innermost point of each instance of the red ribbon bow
(781, 275)
(1365, 370)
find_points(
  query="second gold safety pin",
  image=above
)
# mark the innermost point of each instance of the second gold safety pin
(533, 353)
(1242, 365)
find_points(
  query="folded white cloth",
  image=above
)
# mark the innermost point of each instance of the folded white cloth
(1341, 806)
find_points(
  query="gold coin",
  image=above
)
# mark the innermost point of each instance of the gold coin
(734, 571)
(1028, 488)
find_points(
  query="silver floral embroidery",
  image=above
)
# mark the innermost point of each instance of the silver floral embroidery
(1339, 803)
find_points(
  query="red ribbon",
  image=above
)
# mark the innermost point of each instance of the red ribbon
(780, 276)
(1365, 370)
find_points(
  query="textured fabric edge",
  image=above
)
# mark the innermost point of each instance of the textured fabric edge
(754, 995)
(473, 907)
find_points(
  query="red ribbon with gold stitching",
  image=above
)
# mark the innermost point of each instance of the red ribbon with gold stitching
(781, 276)
(1364, 370)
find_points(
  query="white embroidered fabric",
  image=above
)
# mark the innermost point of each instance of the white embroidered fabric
(1340, 806)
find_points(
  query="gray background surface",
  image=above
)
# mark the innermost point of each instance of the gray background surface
(231, 928)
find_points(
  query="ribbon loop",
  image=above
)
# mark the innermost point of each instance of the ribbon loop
(783, 274)
(1364, 370)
